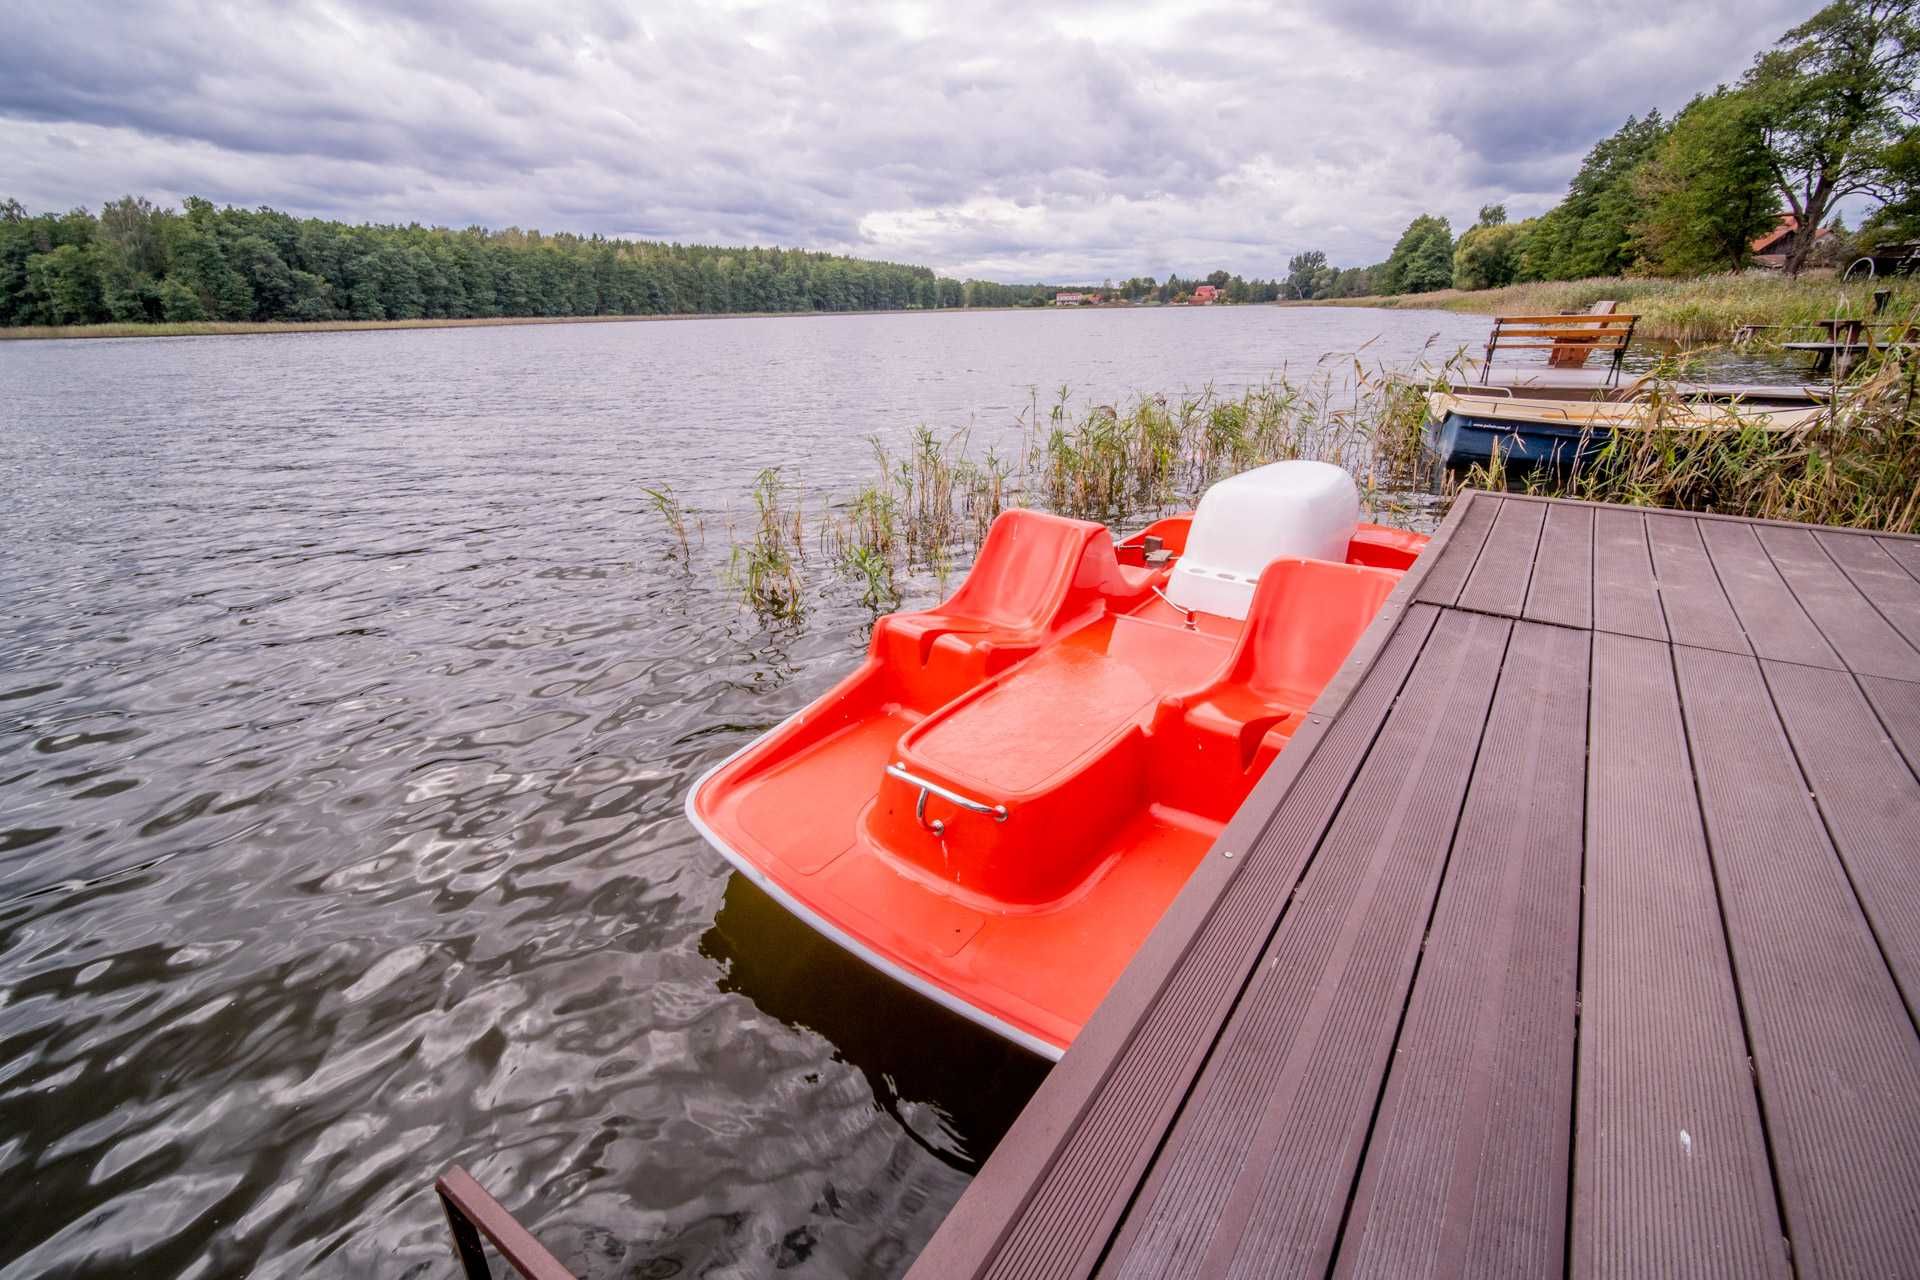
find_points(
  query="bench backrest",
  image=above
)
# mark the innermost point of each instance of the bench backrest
(1562, 335)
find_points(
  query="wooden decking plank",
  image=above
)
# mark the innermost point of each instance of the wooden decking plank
(1096, 1145)
(1905, 550)
(1898, 702)
(1880, 578)
(1253, 1178)
(1834, 1049)
(1775, 624)
(1449, 573)
(1498, 583)
(1562, 588)
(1249, 1102)
(1869, 797)
(1625, 599)
(1466, 1173)
(1697, 609)
(1865, 641)
(1671, 1175)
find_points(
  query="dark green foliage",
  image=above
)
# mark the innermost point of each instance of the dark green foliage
(1707, 192)
(135, 262)
(1899, 217)
(1309, 276)
(1591, 232)
(1422, 261)
(1826, 115)
(1489, 253)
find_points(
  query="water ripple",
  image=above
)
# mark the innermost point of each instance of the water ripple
(348, 695)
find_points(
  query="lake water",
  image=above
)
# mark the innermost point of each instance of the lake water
(349, 692)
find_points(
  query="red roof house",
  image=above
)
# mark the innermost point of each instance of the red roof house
(1772, 249)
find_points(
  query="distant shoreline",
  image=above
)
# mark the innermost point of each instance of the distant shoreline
(225, 328)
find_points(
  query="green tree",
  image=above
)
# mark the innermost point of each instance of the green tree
(1898, 217)
(1489, 253)
(136, 231)
(201, 265)
(1422, 260)
(177, 302)
(65, 283)
(1590, 233)
(1833, 99)
(254, 260)
(1708, 191)
(1308, 275)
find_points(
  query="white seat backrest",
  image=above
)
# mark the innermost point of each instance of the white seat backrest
(1246, 522)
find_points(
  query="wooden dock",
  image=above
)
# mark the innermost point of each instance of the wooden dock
(1578, 931)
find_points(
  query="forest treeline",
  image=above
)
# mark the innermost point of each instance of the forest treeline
(135, 262)
(1832, 112)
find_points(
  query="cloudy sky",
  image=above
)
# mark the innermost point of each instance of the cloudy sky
(1058, 141)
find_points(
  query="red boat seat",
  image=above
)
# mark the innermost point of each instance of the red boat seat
(1059, 741)
(1036, 576)
(1302, 624)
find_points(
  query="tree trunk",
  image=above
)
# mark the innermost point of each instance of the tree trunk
(1814, 214)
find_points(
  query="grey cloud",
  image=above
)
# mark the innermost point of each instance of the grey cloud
(1062, 139)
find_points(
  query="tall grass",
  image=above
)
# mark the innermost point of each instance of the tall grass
(672, 513)
(1857, 465)
(930, 507)
(763, 568)
(1707, 309)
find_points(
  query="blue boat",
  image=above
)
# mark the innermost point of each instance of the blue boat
(1466, 428)
(1462, 439)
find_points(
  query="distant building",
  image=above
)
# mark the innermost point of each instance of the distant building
(1773, 248)
(1071, 299)
(1205, 294)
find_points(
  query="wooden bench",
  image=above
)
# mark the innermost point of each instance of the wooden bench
(1568, 339)
(1847, 340)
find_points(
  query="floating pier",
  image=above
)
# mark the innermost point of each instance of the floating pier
(1578, 931)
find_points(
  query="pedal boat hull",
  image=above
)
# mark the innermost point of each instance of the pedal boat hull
(997, 806)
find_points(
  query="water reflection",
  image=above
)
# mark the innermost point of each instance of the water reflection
(952, 1085)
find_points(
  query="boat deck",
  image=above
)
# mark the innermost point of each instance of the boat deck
(1578, 930)
(1542, 381)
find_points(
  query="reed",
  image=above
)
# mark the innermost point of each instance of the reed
(667, 504)
(1707, 309)
(762, 569)
(1858, 465)
(928, 509)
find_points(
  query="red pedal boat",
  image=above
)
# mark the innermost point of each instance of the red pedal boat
(999, 803)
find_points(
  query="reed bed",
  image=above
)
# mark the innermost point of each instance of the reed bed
(929, 508)
(1858, 465)
(1707, 309)
(926, 508)
(764, 568)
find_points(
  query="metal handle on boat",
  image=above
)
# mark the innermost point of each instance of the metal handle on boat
(1181, 609)
(998, 812)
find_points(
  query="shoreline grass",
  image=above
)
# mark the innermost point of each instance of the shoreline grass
(927, 510)
(1707, 309)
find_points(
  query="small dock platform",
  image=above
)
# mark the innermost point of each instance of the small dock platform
(1578, 931)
